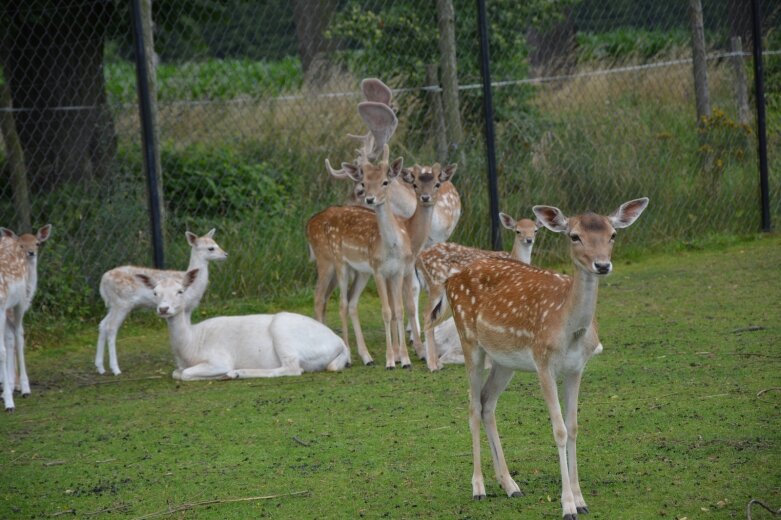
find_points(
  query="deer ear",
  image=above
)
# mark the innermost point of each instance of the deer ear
(210, 234)
(5, 232)
(190, 277)
(628, 212)
(352, 171)
(507, 221)
(395, 168)
(146, 280)
(191, 237)
(407, 175)
(44, 233)
(552, 218)
(447, 172)
(375, 90)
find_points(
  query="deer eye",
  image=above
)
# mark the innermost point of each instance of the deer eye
(437, 185)
(414, 185)
(385, 183)
(211, 249)
(613, 236)
(180, 291)
(575, 238)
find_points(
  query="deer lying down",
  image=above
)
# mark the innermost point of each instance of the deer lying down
(122, 292)
(241, 347)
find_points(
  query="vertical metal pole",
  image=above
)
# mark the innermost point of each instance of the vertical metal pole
(147, 134)
(759, 89)
(488, 110)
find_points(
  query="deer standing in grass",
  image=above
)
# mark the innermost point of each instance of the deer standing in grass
(241, 347)
(440, 261)
(535, 320)
(346, 239)
(18, 283)
(122, 292)
(381, 119)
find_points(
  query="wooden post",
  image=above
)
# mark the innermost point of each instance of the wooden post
(15, 157)
(741, 83)
(437, 113)
(699, 60)
(446, 20)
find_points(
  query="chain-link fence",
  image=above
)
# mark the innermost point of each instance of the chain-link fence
(594, 101)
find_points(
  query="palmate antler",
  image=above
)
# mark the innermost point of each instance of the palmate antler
(378, 115)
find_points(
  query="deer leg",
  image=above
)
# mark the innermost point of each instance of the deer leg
(8, 387)
(413, 318)
(551, 394)
(326, 283)
(571, 391)
(344, 294)
(497, 381)
(201, 371)
(435, 295)
(10, 360)
(474, 363)
(109, 327)
(254, 373)
(24, 381)
(387, 315)
(411, 308)
(400, 347)
(361, 279)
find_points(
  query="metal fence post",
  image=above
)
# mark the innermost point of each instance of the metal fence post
(488, 110)
(148, 134)
(759, 88)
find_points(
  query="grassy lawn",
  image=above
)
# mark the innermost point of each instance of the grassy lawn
(679, 418)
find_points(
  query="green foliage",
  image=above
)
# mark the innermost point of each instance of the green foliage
(202, 182)
(628, 44)
(211, 80)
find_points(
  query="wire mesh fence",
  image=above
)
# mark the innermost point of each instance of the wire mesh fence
(594, 103)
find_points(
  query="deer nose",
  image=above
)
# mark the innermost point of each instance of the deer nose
(530, 241)
(162, 311)
(369, 200)
(603, 267)
(425, 197)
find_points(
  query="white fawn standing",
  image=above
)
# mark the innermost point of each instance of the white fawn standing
(122, 292)
(18, 282)
(240, 347)
(535, 320)
(437, 263)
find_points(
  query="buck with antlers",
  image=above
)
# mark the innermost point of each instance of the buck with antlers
(379, 116)
(345, 239)
(18, 283)
(441, 261)
(535, 320)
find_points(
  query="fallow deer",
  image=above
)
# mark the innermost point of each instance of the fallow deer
(18, 282)
(122, 292)
(439, 262)
(344, 239)
(530, 319)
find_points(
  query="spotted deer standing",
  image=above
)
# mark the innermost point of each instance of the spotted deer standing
(122, 292)
(535, 320)
(441, 261)
(18, 282)
(380, 117)
(345, 240)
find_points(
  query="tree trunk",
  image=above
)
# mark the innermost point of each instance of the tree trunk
(741, 82)
(53, 63)
(552, 50)
(15, 158)
(446, 20)
(700, 63)
(312, 18)
(437, 113)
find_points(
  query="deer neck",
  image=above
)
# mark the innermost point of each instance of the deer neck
(197, 261)
(522, 252)
(32, 279)
(391, 232)
(419, 227)
(180, 333)
(581, 302)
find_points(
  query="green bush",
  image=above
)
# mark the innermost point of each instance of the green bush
(627, 44)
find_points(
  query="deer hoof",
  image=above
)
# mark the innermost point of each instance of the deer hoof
(408, 367)
(25, 396)
(570, 517)
(369, 363)
(516, 494)
(478, 497)
(582, 510)
(10, 410)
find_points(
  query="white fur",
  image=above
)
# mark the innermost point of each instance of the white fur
(238, 347)
(122, 292)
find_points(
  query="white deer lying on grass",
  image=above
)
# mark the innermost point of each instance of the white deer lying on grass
(122, 292)
(238, 347)
(18, 251)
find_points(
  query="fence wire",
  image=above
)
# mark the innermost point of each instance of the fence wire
(595, 104)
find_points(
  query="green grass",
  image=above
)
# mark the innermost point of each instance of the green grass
(672, 425)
